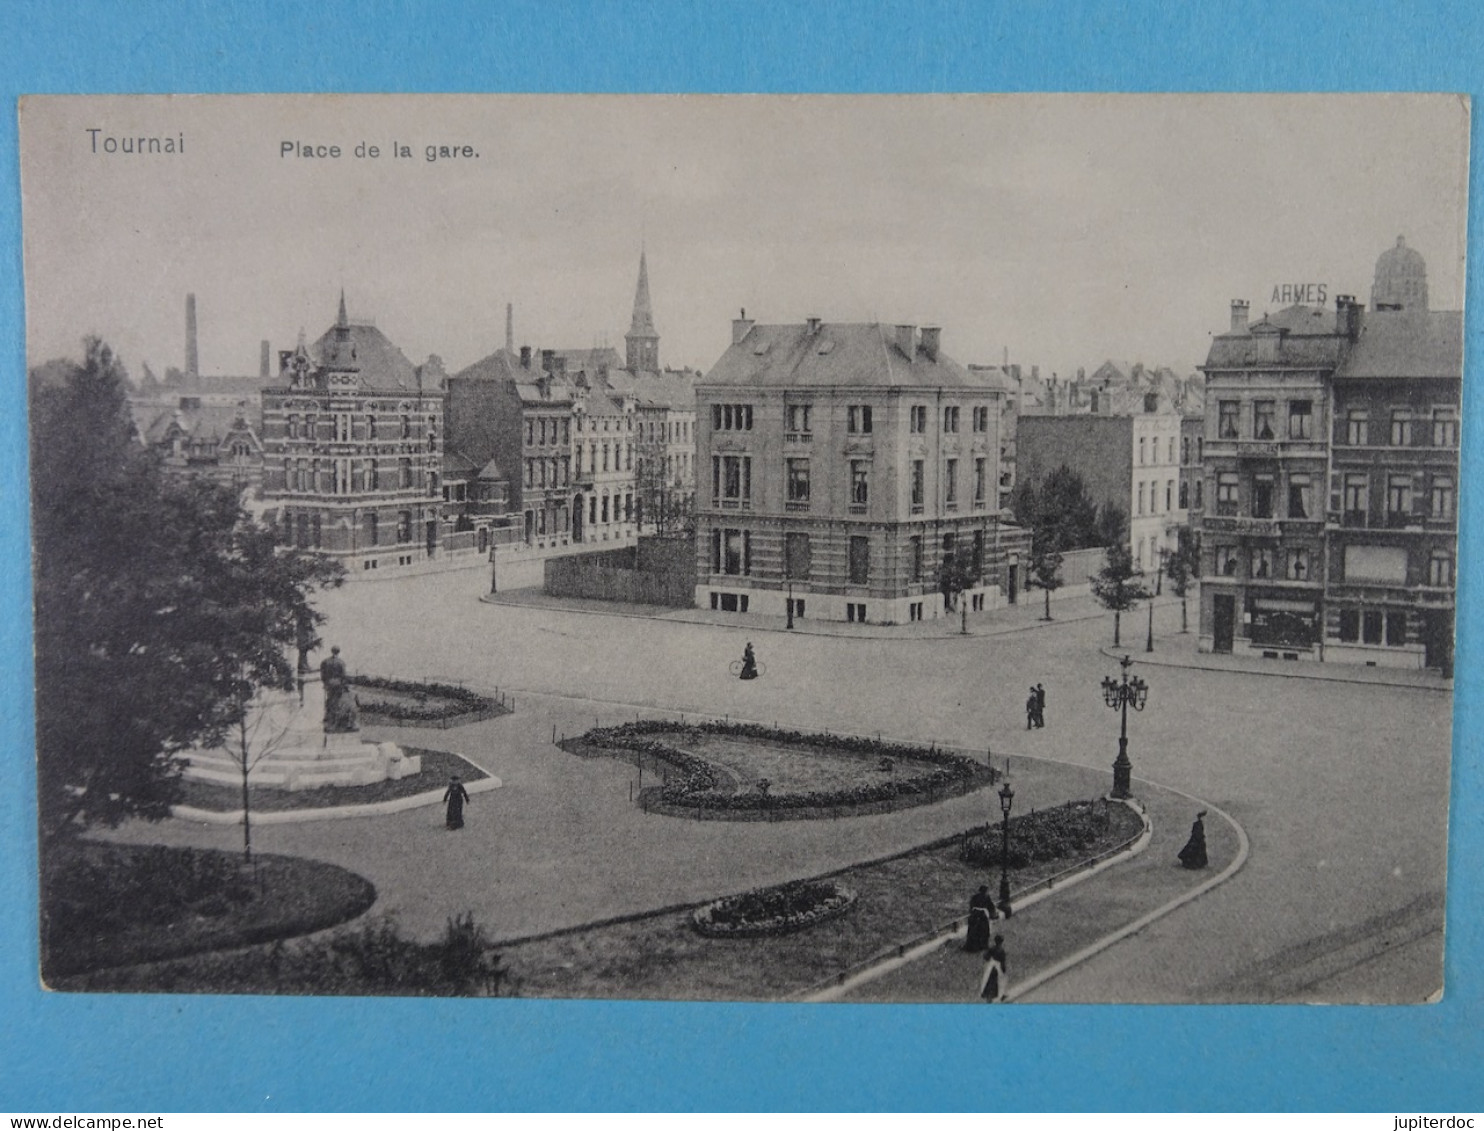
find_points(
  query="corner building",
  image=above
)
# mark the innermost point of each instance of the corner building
(853, 470)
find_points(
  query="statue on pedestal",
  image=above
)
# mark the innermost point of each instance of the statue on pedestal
(341, 716)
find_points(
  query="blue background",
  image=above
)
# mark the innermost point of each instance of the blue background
(165, 1053)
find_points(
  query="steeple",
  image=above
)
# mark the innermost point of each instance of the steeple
(341, 319)
(642, 340)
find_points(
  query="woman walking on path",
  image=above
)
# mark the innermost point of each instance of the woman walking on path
(993, 985)
(981, 911)
(455, 797)
(1193, 855)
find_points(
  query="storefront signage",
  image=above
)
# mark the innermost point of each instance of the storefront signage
(1312, 294)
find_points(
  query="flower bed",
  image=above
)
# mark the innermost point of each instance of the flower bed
(419, 703)
(920, 774)
(774, 910)
(1049, 834)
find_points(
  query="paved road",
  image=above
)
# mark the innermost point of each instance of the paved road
(1342, 788)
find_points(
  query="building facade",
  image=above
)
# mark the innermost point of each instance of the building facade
(1332, 475)
(353, 449)
(852, 473)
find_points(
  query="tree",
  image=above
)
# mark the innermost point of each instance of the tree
(1116, 586)
(1044, 515)
(145, 588)
(957, 575)
(1060, 503)
(1183, 566)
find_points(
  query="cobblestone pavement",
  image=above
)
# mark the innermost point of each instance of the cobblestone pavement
(1342, 787)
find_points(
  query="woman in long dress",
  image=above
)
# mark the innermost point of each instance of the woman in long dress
(455, 797)
(749, 663)
(981, 911)
(1193, 855)
(994, 984)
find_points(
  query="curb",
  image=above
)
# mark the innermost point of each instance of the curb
(871, 973)
(1102, 944)
(1285, 672)
(295, 816)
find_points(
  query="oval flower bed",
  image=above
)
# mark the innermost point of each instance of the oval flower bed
(774, 910)
(405, 702)
(1047, 834)
(917, 774)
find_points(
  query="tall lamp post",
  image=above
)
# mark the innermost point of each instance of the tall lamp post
(790, 604)
(1007, 798)
(1131, 692)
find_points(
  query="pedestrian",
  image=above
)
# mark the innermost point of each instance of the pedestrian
(981, 911)
(994, 983)
(1031, 703)
(749, 663)
(455, 796)
(1193, 855)
(1040, 705)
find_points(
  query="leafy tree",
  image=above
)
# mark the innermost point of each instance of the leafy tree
(1049, 536)
(155, 599)
(1060, 503)
(1111, 523)
(956, 575)
(1182, 567)
(1116, 586)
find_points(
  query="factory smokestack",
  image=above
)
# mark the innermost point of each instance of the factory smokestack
(510, 327)
(192, 359)
(263, 354)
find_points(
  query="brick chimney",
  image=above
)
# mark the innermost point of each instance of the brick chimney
(812, 325)
(1240, 307)
(931, 336)
(525, 357)
(548, 359)
(907, 340)
(192, 359)
(264, 353)
(1347, 316)
(741, 327)
(510, 327)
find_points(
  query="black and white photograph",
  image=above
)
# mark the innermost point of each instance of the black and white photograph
(982, 549)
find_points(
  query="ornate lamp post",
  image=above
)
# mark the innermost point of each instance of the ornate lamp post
(1131, 692)
(1007, 798)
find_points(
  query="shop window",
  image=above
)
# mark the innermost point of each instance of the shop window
(1396, 629)
(1372, 624)
(1349, 625)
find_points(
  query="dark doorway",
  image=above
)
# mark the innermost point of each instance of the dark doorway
(1437, 639)
(577, 517)
(432, 538)
(1014, 583)
(1224, 621)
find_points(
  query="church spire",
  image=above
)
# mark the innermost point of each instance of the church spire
(341, 319)
(642, 340)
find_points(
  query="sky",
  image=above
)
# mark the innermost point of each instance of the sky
(1057, 230)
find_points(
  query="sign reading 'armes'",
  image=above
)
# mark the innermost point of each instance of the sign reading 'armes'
(1313, 294)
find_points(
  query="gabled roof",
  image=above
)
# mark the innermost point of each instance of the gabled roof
(1306, 337)
(835, 355)
(456, 465)
(209, 422)
(492, 471)
(1407, 344)
(382, 365)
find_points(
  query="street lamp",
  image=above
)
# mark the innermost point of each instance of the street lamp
(790, 604)
(1149, 643)
(1007, 798)
(1132, 692)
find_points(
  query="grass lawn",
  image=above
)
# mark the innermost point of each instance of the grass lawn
(662, 956)
(437, 766)
(791, 769)
(112, 905)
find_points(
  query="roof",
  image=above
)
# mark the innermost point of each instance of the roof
(244, 388)
(858, 354)
(673, 389)
(1407, 344)
(382, 365)
(1306, 337)
(206, 422)
(492, 470)
(456, 465)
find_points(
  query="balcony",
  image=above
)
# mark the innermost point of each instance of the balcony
(796, 505)
(798, 437)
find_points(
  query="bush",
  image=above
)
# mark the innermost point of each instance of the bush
(1049, 834)
(773, 910)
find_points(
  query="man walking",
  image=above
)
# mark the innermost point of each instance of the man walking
(1040, 705)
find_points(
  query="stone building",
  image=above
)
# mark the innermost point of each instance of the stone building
(852, 470)
(353, 450)
(1331, 467)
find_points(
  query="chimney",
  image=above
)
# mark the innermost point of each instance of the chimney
(741, 327)
(558, 366)
(1240, 307)
(192, 360)
(931, 335)
(263, 354)
(548, 359)
(1347, 316)
(510, 327)
(906, 340)
(812, 324)
(525, 357)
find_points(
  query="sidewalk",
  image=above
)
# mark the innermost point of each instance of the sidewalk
(1073, 923)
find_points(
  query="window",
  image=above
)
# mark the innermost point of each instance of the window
(981, 419)
(858, 419)
(917, 488)
(1444, 428)
(979, 481)
(1141, 451)
(1440, 570)
(1139, 556)
(1226, 493)
(914, 556)
(1300, 420)
(1262, 420)
(1298, 564)
(1398, 499)
(1401, 429)
(1396, 629)
(1226, 426)
(1349, 625)
(1441, 498)
(604, 511)
(1262, 562)
(1184, 494)
(731, 480)
(860, 560)
(950, 483)
(798, 481)
(1226, 561)
(1300, 496)
(919, 418)
(796, 560)
(404, 474)
(1262, 496)
(1170, 454)
(736, 552)
(1200, 491)
(726, 418)
(1357, 422)
(1357, 500)
(342, 427)
(404, 526)
(1139, 497)
(605, 457)
(1370, 626)
(860, 484)
(950, 418)
(1184, 449)
(976, 556)
(798, 417)
(406, 427)
(1169, 495)
(293, 427)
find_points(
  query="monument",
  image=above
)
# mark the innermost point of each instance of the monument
(306, 736)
